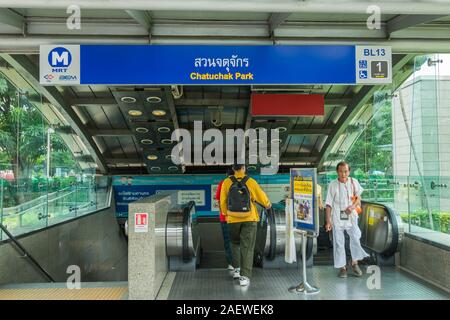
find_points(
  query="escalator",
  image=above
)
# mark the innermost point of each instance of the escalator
(381, 228)
(271, 237)
(189, 242)
(382, 231)
(183, 247)
(381, 236)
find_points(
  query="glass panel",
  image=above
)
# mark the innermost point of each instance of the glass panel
(30, 211)
(85, 199)
(61, 199)
(23, 153)
(102, 184)
(444, 218)
(398, 147)
(423, 144)
(41, 183)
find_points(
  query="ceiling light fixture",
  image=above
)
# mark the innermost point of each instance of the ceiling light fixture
(153, 99)
(141, 130)
(146, 141)
(135, 113)
(158, 113)
(128, 99)
(163, 129)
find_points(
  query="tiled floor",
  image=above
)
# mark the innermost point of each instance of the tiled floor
(274, 284)
(59, 291)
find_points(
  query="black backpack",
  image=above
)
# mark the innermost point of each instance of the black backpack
(239, 196)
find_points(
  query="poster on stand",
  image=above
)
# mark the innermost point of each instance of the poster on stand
(304, 201)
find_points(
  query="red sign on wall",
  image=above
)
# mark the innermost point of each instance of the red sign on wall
(141, 222)
(287, 104)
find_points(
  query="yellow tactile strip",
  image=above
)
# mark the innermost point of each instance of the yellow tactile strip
(116, 293)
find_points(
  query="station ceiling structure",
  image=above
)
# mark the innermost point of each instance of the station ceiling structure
(96, 122)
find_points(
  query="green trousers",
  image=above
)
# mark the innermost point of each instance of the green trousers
(243, 238)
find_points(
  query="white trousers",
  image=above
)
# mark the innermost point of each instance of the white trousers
(356, 250)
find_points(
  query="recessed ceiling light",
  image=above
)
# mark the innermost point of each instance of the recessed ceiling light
(152, 157)
(146, 141)
(281, 129)
(153, 99)
(135, 113)
(251, 168)
(141, 130)
(169, 157)
(173, 168)
(166, 141)
(128, 99)
(155, 168)
(158, 113)
(163, 129)
(276, 140)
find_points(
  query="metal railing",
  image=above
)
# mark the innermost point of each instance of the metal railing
(26, 254)
(53, 207)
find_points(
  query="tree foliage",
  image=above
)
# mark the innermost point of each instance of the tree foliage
(373, 149)
(23, 135)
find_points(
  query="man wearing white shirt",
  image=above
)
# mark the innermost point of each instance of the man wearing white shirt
(343, 197)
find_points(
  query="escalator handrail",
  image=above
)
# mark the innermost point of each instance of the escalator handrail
(273, 233)
(26, 253)
(185, 237)
(273, 237)
(395, 232)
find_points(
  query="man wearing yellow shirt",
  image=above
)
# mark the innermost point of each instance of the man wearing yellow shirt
(242, 226)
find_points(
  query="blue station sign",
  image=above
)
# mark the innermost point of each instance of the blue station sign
(218, 65)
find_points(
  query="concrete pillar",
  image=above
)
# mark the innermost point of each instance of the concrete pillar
(147, 259)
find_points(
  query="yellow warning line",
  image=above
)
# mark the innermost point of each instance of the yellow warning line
(115, 293)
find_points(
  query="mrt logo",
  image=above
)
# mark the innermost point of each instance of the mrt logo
(59, 57)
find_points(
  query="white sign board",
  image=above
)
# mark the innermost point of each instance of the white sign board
(373, 64)
(59, 64)
(276, 192)
(140, 222)
(184, 196)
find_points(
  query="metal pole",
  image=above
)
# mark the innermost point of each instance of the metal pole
(304, 239)
(49, 146)
(304, 286)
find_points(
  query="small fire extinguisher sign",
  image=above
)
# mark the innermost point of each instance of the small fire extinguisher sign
(141, 222)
